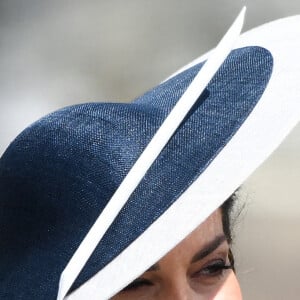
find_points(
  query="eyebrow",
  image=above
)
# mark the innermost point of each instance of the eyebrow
(205, 251)
(209, 248)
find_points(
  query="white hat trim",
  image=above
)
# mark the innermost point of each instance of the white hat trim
(151, 152)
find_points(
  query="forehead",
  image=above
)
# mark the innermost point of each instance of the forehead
(207, 230)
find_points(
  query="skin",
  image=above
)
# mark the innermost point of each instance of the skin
(197, 268)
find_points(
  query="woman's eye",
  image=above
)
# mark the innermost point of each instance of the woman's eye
(138, 283)
(213, 269)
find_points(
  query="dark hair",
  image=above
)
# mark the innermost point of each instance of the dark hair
(227, 221)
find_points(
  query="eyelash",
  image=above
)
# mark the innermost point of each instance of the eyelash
(213, 270)
(137, 283)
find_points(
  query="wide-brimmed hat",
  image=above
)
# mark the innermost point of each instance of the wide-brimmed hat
(104, 190)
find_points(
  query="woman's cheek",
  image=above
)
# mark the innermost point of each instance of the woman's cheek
(230, 289)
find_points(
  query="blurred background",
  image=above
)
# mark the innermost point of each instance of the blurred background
(58, 53)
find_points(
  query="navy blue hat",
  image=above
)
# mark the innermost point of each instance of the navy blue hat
(60, 173)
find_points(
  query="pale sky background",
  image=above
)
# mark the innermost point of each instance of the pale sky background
(58, 53)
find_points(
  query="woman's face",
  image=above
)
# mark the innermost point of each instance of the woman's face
(197, 268)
